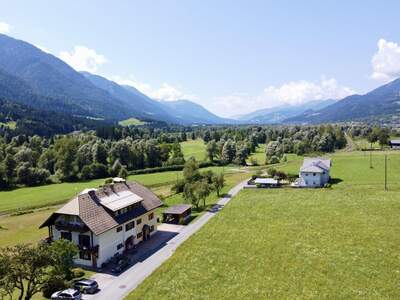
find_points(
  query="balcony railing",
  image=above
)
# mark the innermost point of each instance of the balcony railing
(71, 226)
(93, 249)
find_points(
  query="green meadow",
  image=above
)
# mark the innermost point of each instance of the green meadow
(131, 122)
(23, 228)
(194, 148)
(259, 155)
(333, 243)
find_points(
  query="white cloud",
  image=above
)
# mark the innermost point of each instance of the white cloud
(4, 27)
(299, 92)
(165, 92)
(83, 59)
(291, 93)
(386, 62)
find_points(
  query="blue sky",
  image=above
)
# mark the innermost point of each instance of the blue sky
(231, 56)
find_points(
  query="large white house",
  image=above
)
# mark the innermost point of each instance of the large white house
(314, 172)
(106, 221)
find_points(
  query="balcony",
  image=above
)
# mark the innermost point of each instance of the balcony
(92, 250)
(71, 226)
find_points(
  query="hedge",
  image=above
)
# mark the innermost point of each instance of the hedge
(204, 164)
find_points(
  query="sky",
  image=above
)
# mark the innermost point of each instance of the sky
(232, 57)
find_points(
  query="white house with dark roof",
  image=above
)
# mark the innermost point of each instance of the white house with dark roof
(395, 144)
(315, 172)
(105, 221)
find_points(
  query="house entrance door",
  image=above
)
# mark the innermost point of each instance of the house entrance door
(146, 232)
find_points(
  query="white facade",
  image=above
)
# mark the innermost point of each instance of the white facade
(314, 179)
(110, 242)
(314, 173)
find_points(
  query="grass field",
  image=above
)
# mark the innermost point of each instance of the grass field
(131, 122)
(338, 243)
(53, 194)
(259, 155)
(195, 148)
(24, 228)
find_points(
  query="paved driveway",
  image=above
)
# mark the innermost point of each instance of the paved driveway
(152, 253)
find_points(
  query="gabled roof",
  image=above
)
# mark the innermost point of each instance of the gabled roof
(316, 165)
(95, 207)
(118, 200)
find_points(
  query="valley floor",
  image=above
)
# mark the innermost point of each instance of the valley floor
(339, 243)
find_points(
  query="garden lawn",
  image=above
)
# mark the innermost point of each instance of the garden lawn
(195, 148)
(338, 243)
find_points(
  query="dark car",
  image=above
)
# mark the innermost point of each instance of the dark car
(121, 265)
(70, 294)
(86, 286)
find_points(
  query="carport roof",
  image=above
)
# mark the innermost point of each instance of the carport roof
(177, 209)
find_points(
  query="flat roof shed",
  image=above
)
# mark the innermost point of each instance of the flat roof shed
(268, 181)
(177, 214)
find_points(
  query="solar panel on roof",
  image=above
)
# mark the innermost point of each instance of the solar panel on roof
(120, 200)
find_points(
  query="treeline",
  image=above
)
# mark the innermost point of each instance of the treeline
(303, 140)
(118, 151)
(234, 144)
(37, 160)
(373, 134)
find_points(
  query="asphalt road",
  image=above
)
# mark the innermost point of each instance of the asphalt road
(117, 287)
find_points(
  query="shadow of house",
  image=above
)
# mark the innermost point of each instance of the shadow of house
(335, 181)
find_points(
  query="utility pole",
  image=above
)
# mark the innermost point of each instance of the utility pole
(386, 172)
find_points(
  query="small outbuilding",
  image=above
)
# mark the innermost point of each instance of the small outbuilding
(177, 214)
(395, 144)
(266, 182)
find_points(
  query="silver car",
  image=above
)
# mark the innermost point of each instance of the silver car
(67, 294)
(87, 286)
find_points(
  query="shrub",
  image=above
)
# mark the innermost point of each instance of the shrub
(52, 285)
(280, 175)
(272, 172)
(78, 273)
(274, 160)
(168, 168)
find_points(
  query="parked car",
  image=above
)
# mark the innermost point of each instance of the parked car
(121, 265)
(86, 286)
(67, 294)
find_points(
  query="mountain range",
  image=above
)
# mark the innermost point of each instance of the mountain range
(36, 79)
(279, 114)
(382, 102)
(40, 80)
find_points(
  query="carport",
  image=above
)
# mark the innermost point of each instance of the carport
(177, 214)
